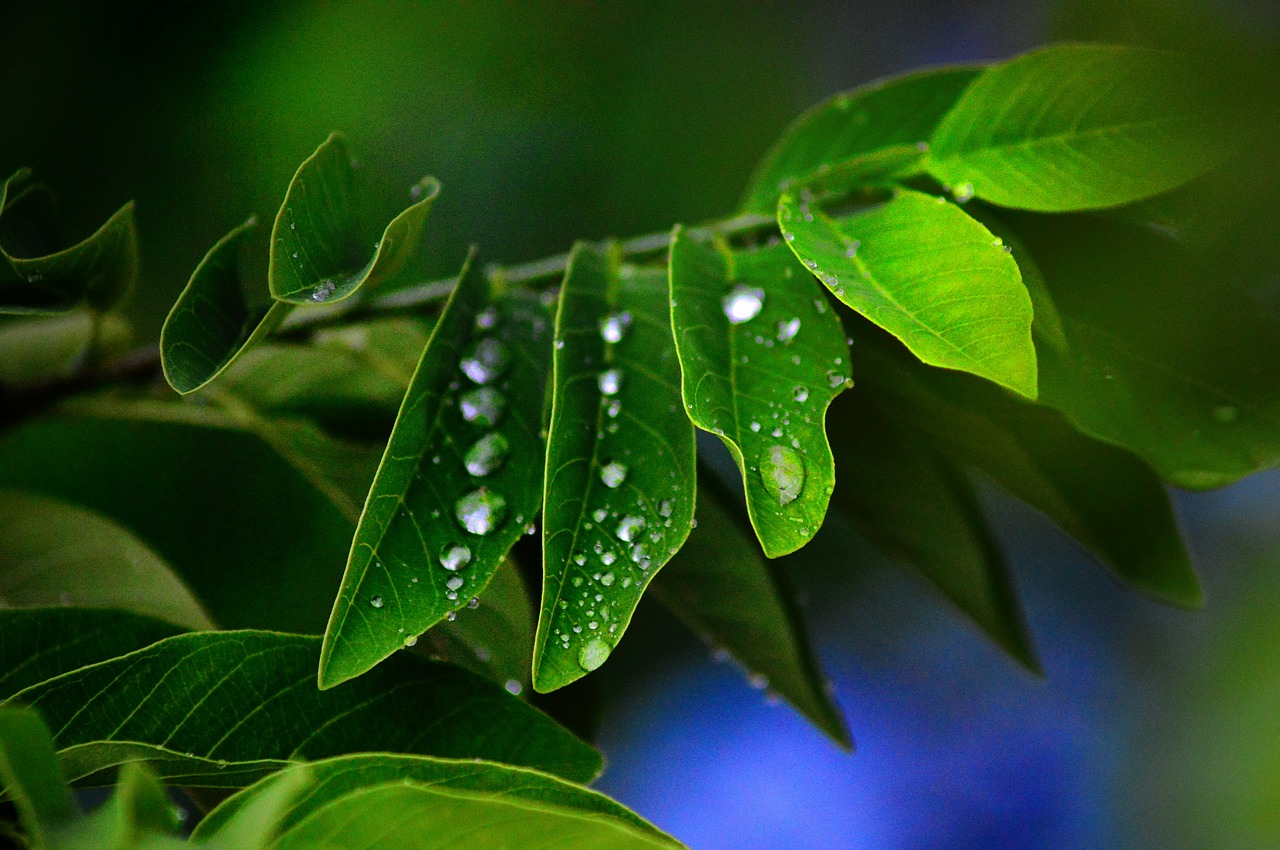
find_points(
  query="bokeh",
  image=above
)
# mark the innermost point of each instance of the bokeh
(549, 122)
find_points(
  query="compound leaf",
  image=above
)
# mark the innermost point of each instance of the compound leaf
(932, 276)
(1077, 126)
(619, 494)
(762, 355)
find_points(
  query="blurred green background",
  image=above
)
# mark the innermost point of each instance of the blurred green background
(553, 121)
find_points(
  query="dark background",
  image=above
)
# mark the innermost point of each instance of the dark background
(553, 121)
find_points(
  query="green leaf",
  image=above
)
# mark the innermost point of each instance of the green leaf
(337, 778)
(725, 591)
(494, 639)
(619, 494)
(901, 112)
(29, 771)
(211, 324)
(41, 643)
(457, 484)
(41, 274)
(1078, 126)
(1102, 496)
(52, 553)
(257, 820)
(219, 708)
(316, 250)
(920, 268)
(137, 816)
(1185, 375)
(762, 355)
(48, 348)
(912, 502)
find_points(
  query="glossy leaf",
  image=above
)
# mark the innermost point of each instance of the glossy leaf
(912, 502)
(1184, 374)
(1077, 126)
(920, 268)
(337, 778)
(210, 324)
(29, 771)
(90, 561)
(619, 494)
(256, 823)
(40, 643)
(457, 484)
(725, 591)
(41, 274)
(762, 355)
(34, 349)
(316, 252)
(901, 112)
(1104, 497)
(180, 705)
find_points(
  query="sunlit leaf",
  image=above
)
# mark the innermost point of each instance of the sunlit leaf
(620, 462)
(1076, 126)
(762, 355)
(180, 704)
(1104, 497)
(30, 775)
(53, 553)
(458, 483)
(900, 113)
(340, 777)
(210, 324)
(923, 270)
(40, 643)
(316, 252)
(256, 822)
(42, 274)
(911, 501)
(736, 600)
(1183, 373)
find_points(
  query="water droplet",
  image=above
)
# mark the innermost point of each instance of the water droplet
(613, 474)
(455, 556)
(614, 327)
(580, 559)
(595, 653)
(513, 687)
(800, 394)
(454, 583)
(481, 510)
(485, 360)
(323, 290)
(411, 640)
(1226, 414)
(835, 379)
(487, 318)
(666, 508)
(630, 528)
(608, 558)
(613, 408)
(787, 330)
(376, 602)
(483, 406)
(473, 603)
(782, 470)
(963, 193)
(743, 303)
(610, 381)
(607, 579)
(755, 427)
(486, 454)
(599, 514)
(851, 250)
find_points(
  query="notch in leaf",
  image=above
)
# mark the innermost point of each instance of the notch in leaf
(458, 483)
(316, 250)
(40, 273)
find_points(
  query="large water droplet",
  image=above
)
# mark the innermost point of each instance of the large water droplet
(666, 508)
(595, 653)
(486, 454)
(376, 602)
(485, 359)
(610, 381)
(743, 303)
(455, 556)
(606, 579)
(411, 640)
(835, 379)
(614, 327)
(782, 469)
(454, 583)
(613, 474)
(630, 527)
(800, 394)
(482, 406)
(481, 510)
(787, 330)
(323, 291)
